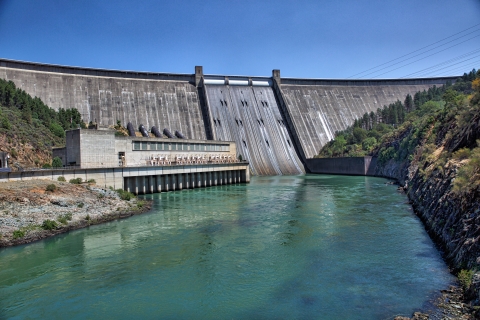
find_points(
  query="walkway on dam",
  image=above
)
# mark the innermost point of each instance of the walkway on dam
(148, 178)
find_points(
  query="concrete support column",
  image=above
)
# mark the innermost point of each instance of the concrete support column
(151, 184)
(215, 178)
(135, 188)
(193, 180)
(198, 176)
(158, 183)
(167, 184)
(179, 181)
(230, 180)
(143, 185)
(174, 182)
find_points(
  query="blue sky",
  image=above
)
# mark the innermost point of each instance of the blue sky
(305, 39)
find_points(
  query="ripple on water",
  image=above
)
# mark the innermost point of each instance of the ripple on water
(297, 247)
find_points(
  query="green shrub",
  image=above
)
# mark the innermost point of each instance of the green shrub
(57, 130)
(49, 224)
(87, 217)
(51, 187)
(125, 195)
(80, 205)
(5, 123)
(92, 181)
(18, 234)
(14, 153)
(61, 178)
(465, 278)
(462, 154)
(46, 166)
(64, 218)
(386, 154)
(57, 162)
(76, 181)
(468, 176)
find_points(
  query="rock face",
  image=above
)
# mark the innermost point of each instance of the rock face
(451, 219)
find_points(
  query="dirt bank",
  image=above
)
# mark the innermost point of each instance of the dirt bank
(28, 212)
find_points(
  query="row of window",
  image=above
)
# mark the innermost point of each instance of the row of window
(179, 146)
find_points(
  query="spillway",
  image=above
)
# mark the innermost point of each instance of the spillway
(250, 116)
(277, 123)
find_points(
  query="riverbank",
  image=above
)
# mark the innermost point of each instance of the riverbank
(452, 221)
(38, 209)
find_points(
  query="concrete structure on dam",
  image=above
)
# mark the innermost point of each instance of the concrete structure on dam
(277, 123)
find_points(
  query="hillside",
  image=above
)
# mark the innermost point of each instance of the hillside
(29, 128)
(434, 153)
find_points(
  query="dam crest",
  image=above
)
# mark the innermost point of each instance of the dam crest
(277, 123)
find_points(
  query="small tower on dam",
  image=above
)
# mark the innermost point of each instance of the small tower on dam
(277, 123)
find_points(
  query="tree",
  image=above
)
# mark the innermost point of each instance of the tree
(57, 162)
(408, 103)
(359, 135)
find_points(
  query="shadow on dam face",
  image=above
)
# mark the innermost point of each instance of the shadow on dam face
(251, 117)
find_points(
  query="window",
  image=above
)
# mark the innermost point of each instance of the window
(136, 145)
(144, 145)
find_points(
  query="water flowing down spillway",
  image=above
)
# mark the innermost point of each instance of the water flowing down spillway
(251, 117)
(280, 247)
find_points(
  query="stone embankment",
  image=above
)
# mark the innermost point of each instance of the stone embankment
(28, 212)
(452, 220)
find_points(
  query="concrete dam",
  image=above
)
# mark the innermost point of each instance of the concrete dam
(277, 123)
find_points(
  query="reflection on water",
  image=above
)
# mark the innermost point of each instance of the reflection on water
(298, 247)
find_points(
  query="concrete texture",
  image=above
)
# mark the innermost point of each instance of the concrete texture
(152, 99)
(250, 116)
(277, 123)
(319, 108)
(359, 166)
(140, 180)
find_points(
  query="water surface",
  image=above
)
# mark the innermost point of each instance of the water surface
(284, 247)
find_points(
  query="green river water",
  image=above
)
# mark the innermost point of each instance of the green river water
(283, 247)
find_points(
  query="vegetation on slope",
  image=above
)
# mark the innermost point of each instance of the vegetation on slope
(430, 129)
(29, 128)
(435, 155)
(368, 133)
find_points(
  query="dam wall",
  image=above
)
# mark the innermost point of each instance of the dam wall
(105, 96)
(250, 116)
(277, 123)
(319, 108)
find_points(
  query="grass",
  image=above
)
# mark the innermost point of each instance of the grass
(465, 278)
(140, 204)
(51, 188)
(125, 195)
(18, 234)
(49, 225)
(64, 218)
(76, 181)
